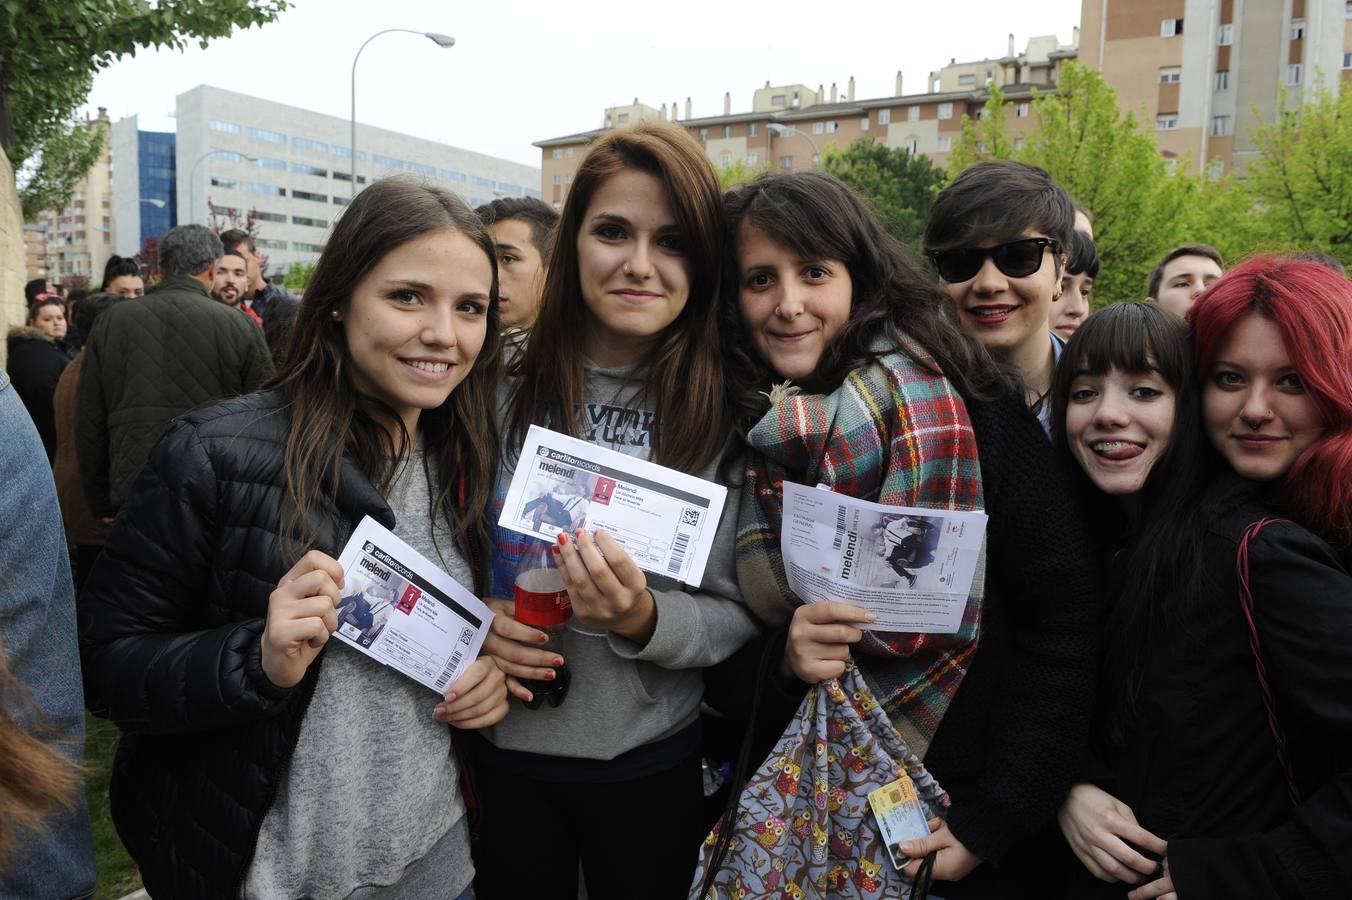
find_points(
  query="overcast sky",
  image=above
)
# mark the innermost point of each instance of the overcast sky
(529, 70)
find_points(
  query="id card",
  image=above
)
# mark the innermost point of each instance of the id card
(900, 815)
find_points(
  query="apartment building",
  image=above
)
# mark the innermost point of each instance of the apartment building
(76, 240)
(291, 169)
(789, 126)
(1205, 73)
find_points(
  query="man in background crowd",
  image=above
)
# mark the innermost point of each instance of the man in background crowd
(1184, 273)
(522, 228)
(231, 281)
(147, 362)
(274, 305)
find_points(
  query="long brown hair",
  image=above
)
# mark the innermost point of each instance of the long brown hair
(34, 777)
(330, 420)
(683, 373)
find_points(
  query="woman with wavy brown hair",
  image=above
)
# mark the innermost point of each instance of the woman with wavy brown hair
(625, 355)
(255, 761)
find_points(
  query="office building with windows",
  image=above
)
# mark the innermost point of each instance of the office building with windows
(1205, 73)
(789, 126)
(145, 192)
(291, 170)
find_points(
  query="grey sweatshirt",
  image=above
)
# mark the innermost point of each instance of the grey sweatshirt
(624, 694)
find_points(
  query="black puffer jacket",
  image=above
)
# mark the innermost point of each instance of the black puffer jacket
(36, 360)
(145, 363)
(170, 622)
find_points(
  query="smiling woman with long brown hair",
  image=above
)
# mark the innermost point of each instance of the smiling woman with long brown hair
(255, 761)
(625, 355)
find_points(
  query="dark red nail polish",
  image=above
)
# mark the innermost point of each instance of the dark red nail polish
(563, 539)
(549, 674)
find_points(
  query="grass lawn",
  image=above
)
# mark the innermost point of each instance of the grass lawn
(117, 873)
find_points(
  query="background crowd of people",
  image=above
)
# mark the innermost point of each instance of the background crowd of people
(1148, 694)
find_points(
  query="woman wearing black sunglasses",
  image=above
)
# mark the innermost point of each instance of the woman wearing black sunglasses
(997, 236)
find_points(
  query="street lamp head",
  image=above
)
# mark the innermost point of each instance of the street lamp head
(442, 40)
(153, 201)
(248, 157)
(780, 130)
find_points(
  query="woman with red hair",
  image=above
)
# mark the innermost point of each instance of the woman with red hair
(1227, 741)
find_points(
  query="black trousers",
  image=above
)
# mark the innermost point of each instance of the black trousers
(636, 840)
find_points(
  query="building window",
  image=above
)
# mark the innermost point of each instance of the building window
(1171, 75)
(506, 188)
(340, 201)
(1226, 36)
(704, 134)
(230, 183)
(965, 80)
(863, 124)
(567, 152)
(1166, 122)
(267, 162)
(912, 146)
(777, 100)
(313, 223)
(724, 159)
(558, 153)
(262, 134)
(347, 176)
(1216, 169)
(622, 119)
(752, 158)
(945, 143)
(912, 114)
(346, 152)
(226, 211)
(269, 217)
(227, 127)
(306, 195)
(388, 162)
(270, 189)
(1021, 110)
(1220, 126)
(1019, 142)
(1171, 27)
(751, 129)
(1347, 10)
(786, 162)
(1223, 80)
(307, 248)
(266, 244)
(1347, 60)
(1297, 29)
(429, 171)
(945, 110)
(480, 181)
(303, 169)
(727, 131)
(832, 127)
(451, 175)
(885, 116)
(307, 144)
(1293, 74)
(558, 179)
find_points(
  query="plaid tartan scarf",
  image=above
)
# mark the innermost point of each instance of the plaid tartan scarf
(894, 433)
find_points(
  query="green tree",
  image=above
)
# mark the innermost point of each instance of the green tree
(1104, 158)
(899, 185)
(297, 277)
(49, 53)
(737, 173)
(1302, 177)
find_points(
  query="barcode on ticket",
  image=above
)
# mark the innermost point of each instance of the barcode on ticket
(450, 667)
(681, 544)
(840, 529)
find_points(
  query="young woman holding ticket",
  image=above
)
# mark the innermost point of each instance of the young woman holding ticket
(1224, 762)
(889, 401)
(258, 760)
(625, 356)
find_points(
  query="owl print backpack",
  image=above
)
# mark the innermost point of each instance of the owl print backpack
(803, 826)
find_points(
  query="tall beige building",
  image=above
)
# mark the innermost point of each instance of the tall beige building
(78, 239)
(789, 126)
(1205, 73)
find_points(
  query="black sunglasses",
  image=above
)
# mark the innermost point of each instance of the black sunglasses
(1017, 259)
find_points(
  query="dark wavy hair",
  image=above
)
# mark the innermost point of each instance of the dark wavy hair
(1158, 568)
(331, 420)
(117, 267)
(683, 375)
(820, 217)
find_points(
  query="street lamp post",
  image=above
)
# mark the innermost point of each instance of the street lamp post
(445, 41)
(192, 181)
(781, 130)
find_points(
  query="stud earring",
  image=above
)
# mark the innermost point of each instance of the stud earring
(333, 313)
